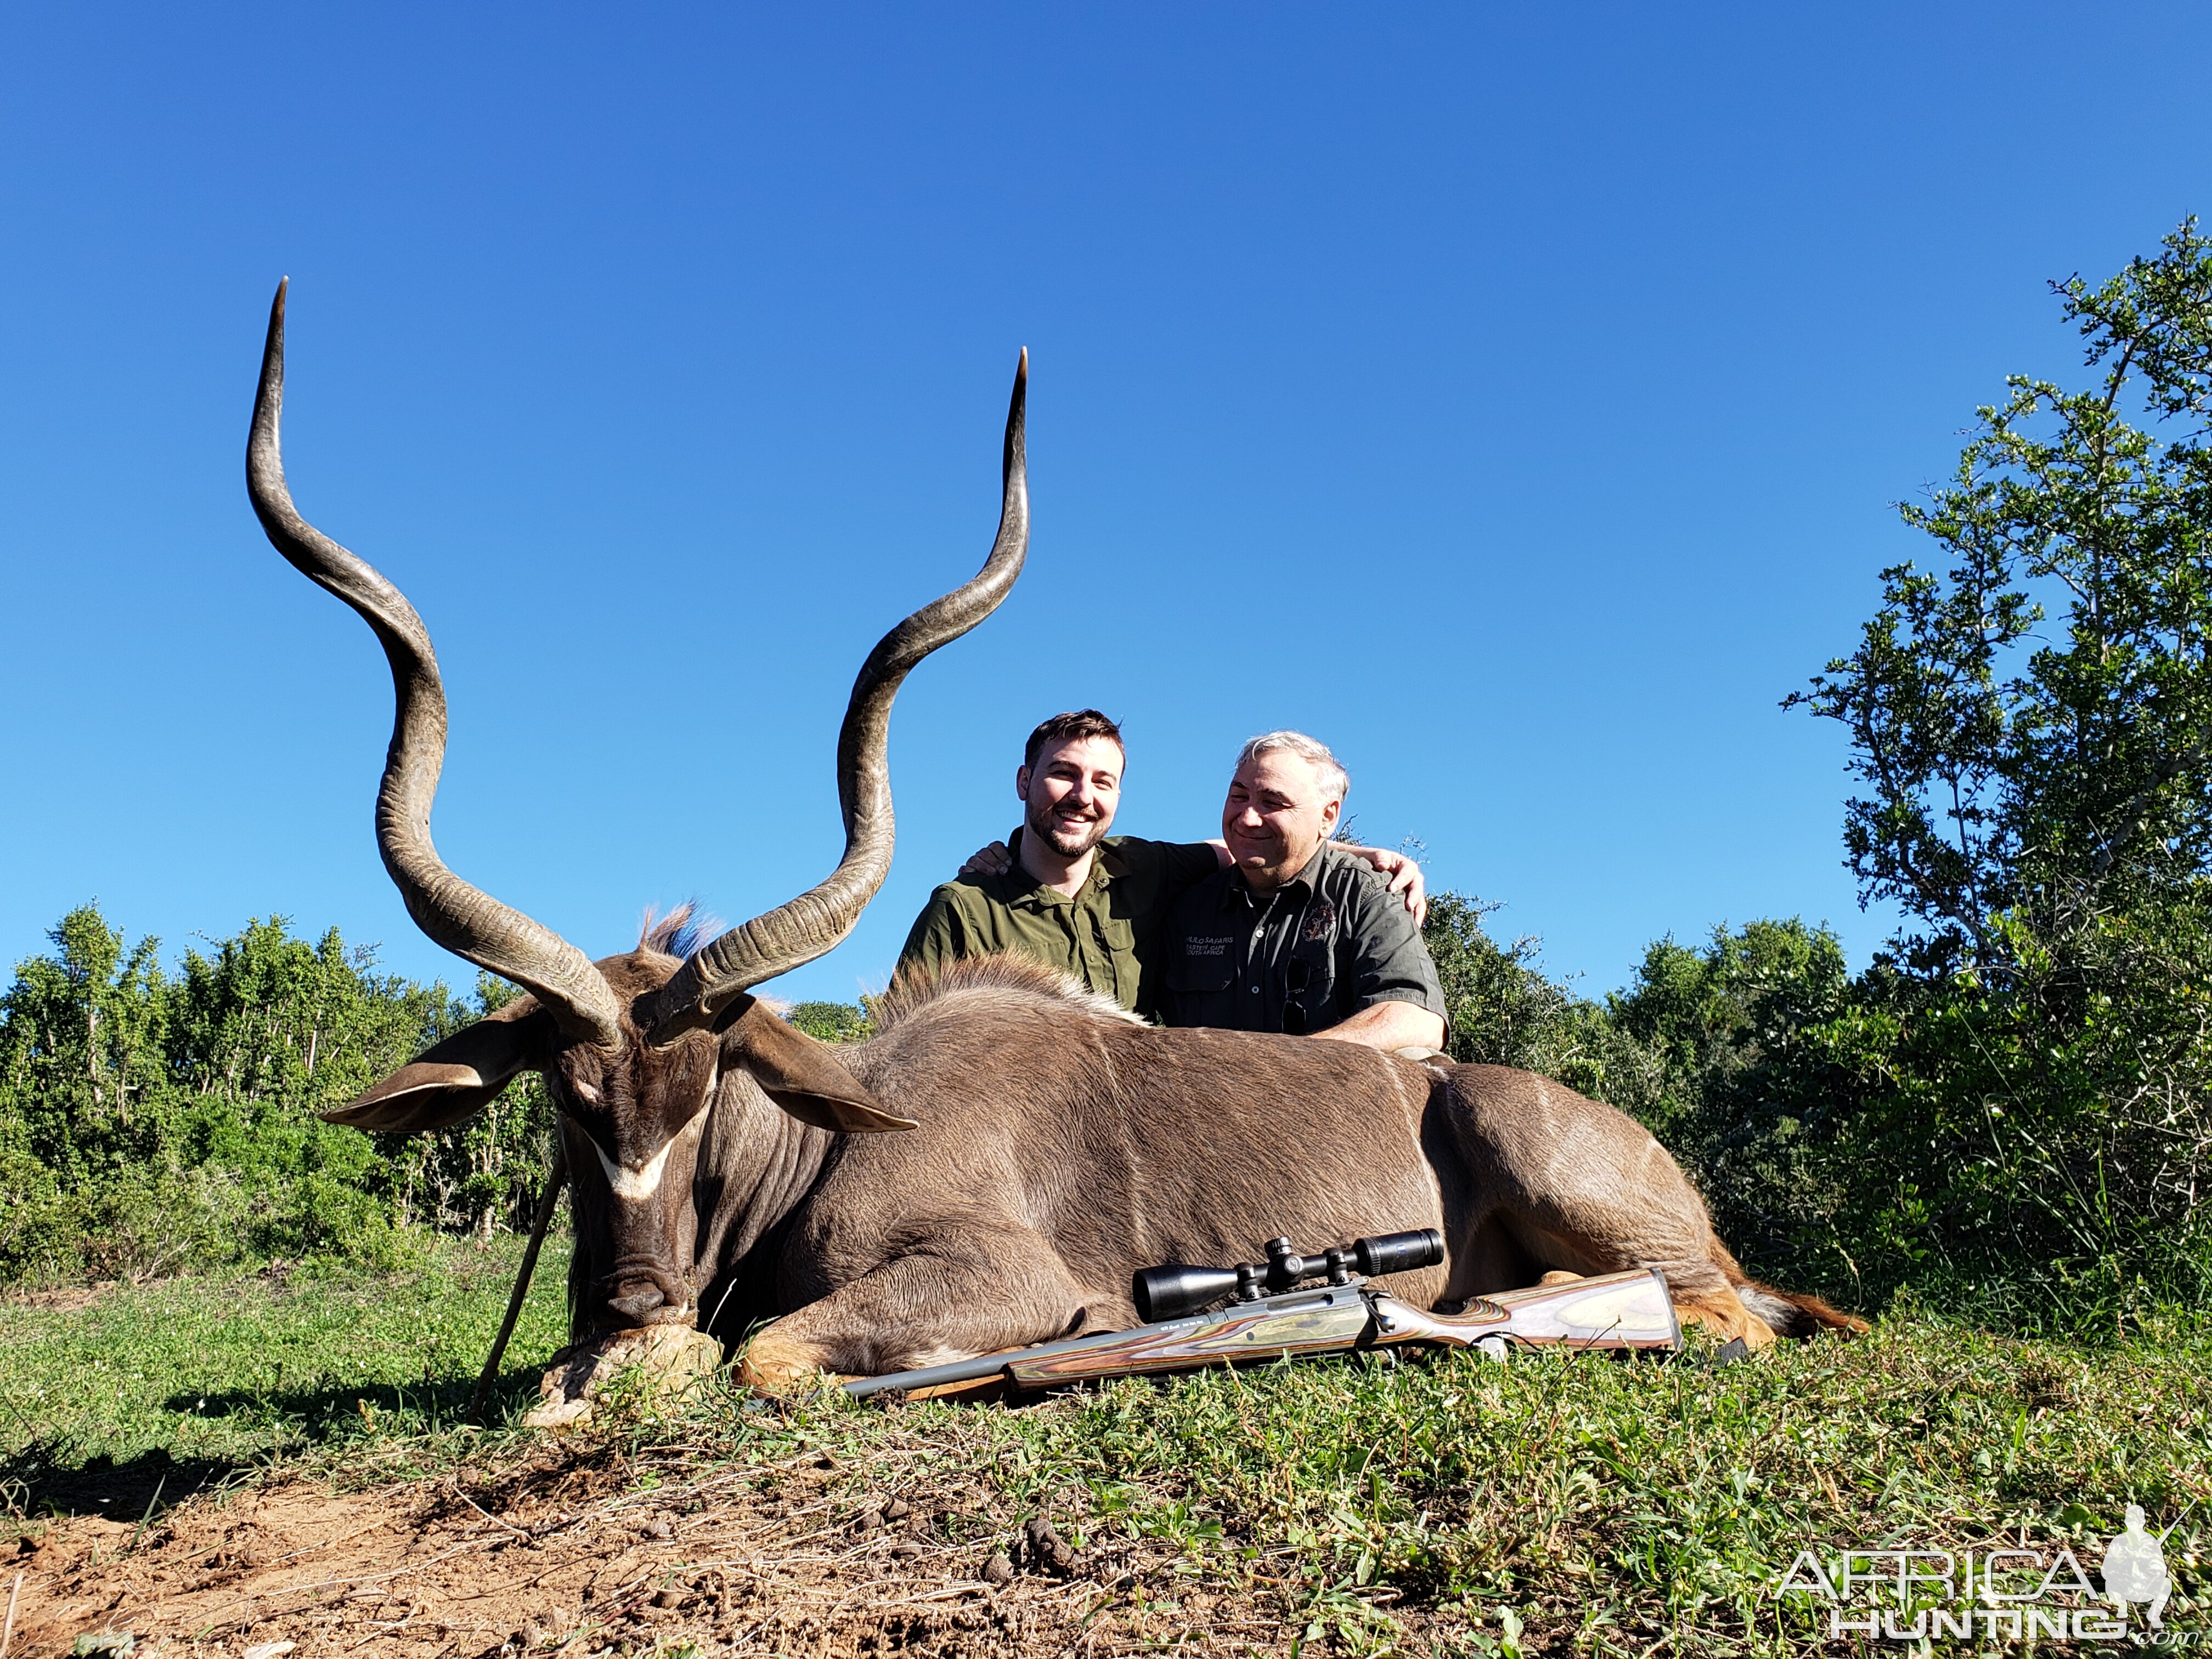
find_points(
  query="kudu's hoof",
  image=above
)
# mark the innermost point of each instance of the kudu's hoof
(776, 1364)
(660, 1362)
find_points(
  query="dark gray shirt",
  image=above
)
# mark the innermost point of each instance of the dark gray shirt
(1330, 941)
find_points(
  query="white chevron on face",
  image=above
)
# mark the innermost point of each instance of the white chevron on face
(644, 1182)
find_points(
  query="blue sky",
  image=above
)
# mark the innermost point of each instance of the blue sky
(1511, 397)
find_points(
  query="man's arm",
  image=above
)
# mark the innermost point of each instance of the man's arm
(1388, 971)
(993, 858)
(1391, 1024)
(998, 858)
(1405, 876)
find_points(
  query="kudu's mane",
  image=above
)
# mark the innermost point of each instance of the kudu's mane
(678, 934)
(1011, 981)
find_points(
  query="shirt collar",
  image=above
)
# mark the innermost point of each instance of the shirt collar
(1300, 887)
(1018, 886)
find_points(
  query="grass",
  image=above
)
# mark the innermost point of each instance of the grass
(1448, 1503)
(193, 1380)
(1602, 1505)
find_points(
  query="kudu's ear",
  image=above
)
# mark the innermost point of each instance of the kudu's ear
(458, 1077)
(803, 1076)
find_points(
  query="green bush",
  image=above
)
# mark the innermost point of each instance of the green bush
(151, 1121)
(833, 1022)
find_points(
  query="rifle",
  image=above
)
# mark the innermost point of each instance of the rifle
(1268, 1316)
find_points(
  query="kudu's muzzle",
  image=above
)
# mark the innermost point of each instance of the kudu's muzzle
(644, 1290)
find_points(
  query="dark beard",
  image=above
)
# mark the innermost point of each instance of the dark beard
(1039, 824)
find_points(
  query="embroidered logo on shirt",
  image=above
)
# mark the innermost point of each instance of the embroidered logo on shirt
(1320, 920)
(1194, 945)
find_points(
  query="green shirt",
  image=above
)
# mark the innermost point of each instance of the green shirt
(1110, 935)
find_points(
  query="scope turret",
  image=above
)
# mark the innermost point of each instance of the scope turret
(1178, 1288)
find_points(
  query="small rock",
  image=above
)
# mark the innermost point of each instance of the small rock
(1042, 1551)
(669, 1598)
(113, 1643)
(906, 1551)
(998, 1570)
(868, 1520)
(897, 1510)
(658, 1528)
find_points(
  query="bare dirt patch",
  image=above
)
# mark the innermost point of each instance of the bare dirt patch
(564, 1553)
(62, 1298)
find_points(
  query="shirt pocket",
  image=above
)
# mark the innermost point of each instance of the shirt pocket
(1201, 990)
(1119, 936)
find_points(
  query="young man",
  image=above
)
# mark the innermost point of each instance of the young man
(1070, 895)
(1296, 936)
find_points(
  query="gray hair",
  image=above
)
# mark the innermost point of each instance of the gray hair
(1315, 754)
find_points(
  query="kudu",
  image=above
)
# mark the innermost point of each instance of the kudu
(729, 1169)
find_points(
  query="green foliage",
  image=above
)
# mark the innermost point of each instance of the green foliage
(1729, 1054)
(1753, 1101)
(2032, 1059)
(150, 1120)
(1502, 1011)
(2059, 777)
(833, 1022)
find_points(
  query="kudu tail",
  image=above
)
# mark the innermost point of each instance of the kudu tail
(1790, 1314)
(1787, 1313)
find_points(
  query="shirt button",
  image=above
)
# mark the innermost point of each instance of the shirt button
(1256, 990)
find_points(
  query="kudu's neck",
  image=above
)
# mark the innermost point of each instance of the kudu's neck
(756, 1166)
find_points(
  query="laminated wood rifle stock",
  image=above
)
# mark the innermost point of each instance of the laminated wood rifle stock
(1618, 1312)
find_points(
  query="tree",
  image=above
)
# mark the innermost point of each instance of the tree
(81, 1037)
(150, 1120)
(2060, 777)
(1502, 1010)
(2031, 730)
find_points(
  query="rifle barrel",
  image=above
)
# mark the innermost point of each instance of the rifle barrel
(990, 1365)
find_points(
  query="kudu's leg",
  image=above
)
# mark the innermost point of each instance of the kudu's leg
(965, 1290)
(1551, 1181)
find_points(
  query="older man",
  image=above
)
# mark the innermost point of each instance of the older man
(1295, 936)
(1064, 892)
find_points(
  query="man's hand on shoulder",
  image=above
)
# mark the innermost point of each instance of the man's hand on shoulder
(994, 860)
(1405, 876)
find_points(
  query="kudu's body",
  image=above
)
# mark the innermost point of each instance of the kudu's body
(729, 1169)
(1062, 1144)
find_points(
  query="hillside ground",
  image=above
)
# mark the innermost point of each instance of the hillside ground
(224, 1466)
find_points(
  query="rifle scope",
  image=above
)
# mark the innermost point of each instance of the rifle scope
(1177, 1289)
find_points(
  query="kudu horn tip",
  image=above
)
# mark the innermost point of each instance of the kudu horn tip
(274, 346)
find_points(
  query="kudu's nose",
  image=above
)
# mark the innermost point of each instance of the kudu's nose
(641, 1301)
(644, 1292)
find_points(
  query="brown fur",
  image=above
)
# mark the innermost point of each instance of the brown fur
(1055, 1145)
(1060, 1145)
